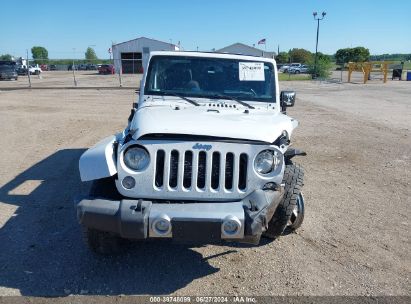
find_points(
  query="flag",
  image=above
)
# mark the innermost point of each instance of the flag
(262, 41)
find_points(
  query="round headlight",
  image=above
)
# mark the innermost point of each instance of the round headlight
(136, 158)
(267, 161)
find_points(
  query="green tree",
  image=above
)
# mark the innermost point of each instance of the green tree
(90, 54)
(357, 54)
(342, 56)
(300, 55)
(6, 57)
(323, 69)
(40, 54)
(323, 56)
(282, 57)
(360, 54)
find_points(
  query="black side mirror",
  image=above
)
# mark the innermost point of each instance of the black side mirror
(287, 99)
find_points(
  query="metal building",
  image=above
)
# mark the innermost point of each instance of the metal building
(241, 48)
(131, 56)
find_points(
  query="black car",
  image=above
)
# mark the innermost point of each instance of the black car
(52, 67)
(21, 70)
(8, 72)
(91, 66)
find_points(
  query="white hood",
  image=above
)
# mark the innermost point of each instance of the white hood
(259, 124)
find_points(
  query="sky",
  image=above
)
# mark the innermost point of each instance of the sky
(67, 28)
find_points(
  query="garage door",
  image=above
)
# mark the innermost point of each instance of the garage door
(131, 63)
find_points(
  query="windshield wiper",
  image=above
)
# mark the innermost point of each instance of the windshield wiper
(180, 96)
(220, 96)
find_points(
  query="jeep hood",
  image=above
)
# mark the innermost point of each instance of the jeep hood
(261, 125)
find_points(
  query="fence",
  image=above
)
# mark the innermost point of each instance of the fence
(72, 73)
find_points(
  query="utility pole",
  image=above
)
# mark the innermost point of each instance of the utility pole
(28, 67)
(74, 67)
(316, 44)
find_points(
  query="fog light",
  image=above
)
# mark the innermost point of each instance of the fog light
(231, 226)
(128, 182)
(162, 225)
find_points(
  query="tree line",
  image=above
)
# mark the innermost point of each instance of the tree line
(342, 56)
(40, 55)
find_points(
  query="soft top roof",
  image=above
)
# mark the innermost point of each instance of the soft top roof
(212, 55)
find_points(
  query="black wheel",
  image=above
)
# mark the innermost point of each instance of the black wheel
(37, 72)
(102, 242)
(105, 187)
(297, 216)
(297, 72)
(294, 181)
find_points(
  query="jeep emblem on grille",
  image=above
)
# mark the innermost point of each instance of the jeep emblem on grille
(198, 146)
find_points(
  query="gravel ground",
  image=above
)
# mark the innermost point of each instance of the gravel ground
(355, 239)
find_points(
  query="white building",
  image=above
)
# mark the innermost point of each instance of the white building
(131, 56)
(240, 48)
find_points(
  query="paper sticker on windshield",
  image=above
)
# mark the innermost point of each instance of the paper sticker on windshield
(251, 71)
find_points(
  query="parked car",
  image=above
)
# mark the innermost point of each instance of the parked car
(299, 69)
(44, 67)
(52, 67)
(285, 68)
(203, 159)
(82, 67)
(21, 70)
(35, 69)
(91, 67)
(106, 69)
(8, 72)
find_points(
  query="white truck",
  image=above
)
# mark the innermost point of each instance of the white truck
(205, 157)
(35, 69)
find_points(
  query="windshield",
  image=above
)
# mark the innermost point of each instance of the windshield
(251, 80)
(6, 68)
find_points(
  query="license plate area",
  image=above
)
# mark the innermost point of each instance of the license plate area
(189, 231)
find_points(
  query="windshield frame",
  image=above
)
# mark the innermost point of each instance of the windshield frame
(245, 97)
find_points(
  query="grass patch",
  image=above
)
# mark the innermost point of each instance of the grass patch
(285, 77)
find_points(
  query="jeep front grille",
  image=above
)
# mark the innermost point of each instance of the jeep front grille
(200, 170)
(180, 170)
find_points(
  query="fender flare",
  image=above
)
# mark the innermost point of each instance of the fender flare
(99, 161)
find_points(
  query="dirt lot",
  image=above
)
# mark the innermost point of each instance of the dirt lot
(355, 239)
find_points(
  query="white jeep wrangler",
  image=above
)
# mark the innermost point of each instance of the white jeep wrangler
(205, 157)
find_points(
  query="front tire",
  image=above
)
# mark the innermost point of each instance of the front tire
(297, 216)
(294, 181)
(105, 187)
(102, 242)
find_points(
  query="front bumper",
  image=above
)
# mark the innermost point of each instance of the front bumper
(187, 222)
